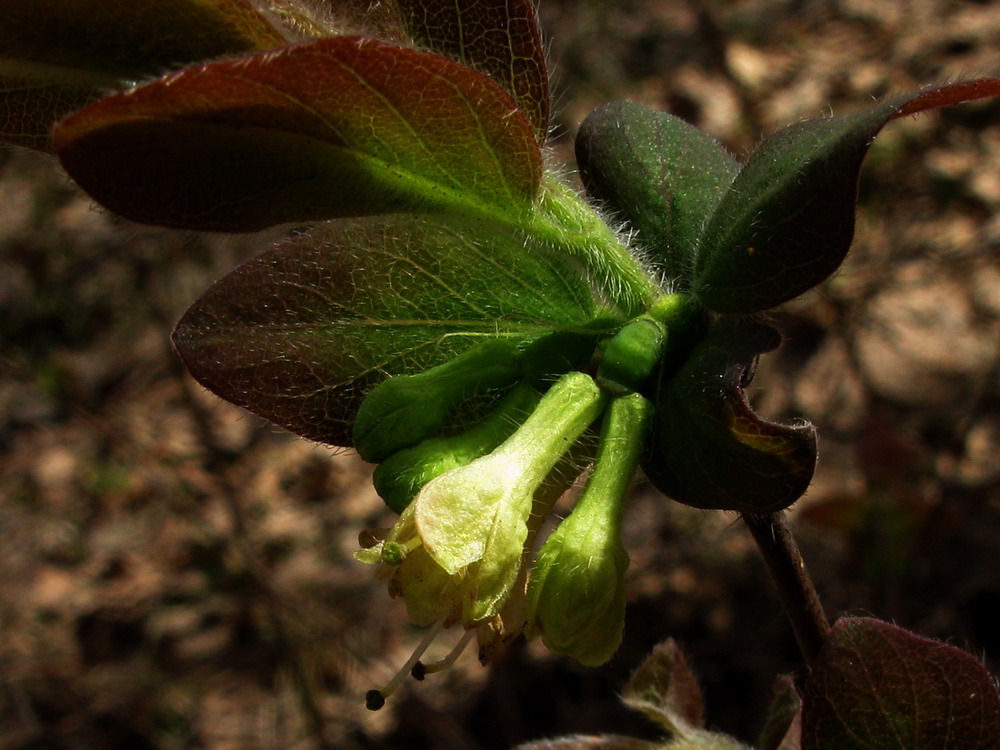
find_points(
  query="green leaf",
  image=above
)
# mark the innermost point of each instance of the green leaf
(300, 334)
(709, 449)
(875, 685)
(57, 55)
(499, 38)
(787, 221)
(346, 126)
(660, 174)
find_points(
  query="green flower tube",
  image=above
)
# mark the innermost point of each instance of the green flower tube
(400, 477)
(473, 520)
(576, 592)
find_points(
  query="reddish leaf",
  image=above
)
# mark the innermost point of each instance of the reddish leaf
(875, 685)
(499, 38)
(56, 56)
(664, 688)
(338, 127)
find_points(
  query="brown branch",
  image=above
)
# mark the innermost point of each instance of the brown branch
(795, 588)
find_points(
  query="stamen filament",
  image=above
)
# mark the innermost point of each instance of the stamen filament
(375, 699)
(421, 670)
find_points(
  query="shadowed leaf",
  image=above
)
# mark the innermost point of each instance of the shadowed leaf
(300, 334)
(875, 685)
(657, 172)
(337, 127)
(499, 38)
(709, 449)
(781, 728)
(57, 55)
(664, 688)
(788, 220)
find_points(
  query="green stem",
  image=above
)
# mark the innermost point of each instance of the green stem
(567, 223)
(788, 571)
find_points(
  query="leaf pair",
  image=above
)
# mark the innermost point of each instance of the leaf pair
(740, 240)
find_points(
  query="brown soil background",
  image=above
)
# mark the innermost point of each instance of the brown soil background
(175, 574)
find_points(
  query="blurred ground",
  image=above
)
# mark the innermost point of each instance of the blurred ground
(174, 574)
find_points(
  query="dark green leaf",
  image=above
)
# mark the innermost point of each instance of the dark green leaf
(709, 449)
(337, 127)
(300, 334)
(660, 174)
(788, 219)
(875, 685)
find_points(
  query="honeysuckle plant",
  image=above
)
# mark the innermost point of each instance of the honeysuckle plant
(451, 307)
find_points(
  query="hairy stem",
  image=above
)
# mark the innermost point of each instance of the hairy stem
(788, 571)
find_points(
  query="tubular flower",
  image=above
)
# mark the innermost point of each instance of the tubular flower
(576, 591)
(457, 552)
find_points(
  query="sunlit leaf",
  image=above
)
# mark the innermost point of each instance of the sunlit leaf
(337, 127)
(660, 174)
(709, 449)
(875, 685)
(302, 333)
(788, 219)
(57, 55)
(499, 38)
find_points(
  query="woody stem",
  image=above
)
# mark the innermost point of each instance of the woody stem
(788, 570)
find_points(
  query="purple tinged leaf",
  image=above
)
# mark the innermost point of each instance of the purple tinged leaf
(665, 689)
(499, 38)
(337, 127)
(875, 685)
(300, 334)
(660, 174)
(709, 449)
(787, 221)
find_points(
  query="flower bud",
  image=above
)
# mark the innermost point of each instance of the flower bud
(576, 592)
(405, 410)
